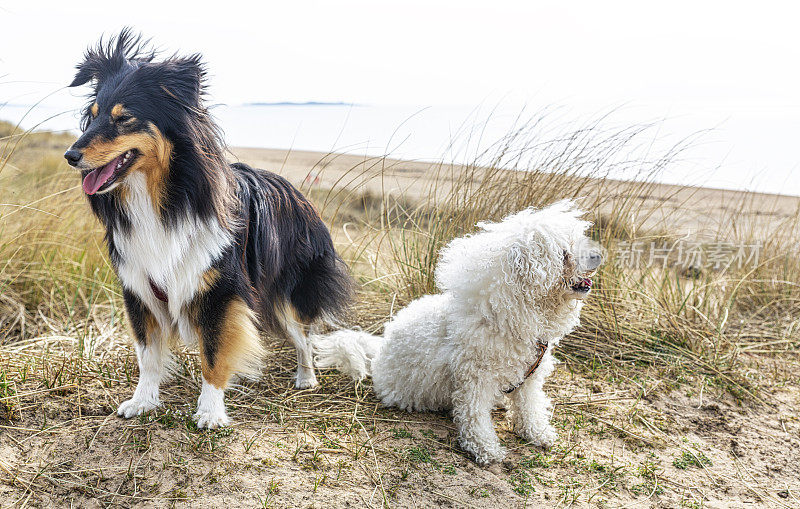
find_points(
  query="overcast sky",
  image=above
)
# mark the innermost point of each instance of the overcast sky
(712, 64)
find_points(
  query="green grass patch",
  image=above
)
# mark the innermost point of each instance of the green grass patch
(688, 459)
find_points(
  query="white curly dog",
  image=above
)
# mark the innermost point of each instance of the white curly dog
(510, 292)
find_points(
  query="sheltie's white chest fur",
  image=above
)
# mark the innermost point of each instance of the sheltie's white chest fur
(174, 257)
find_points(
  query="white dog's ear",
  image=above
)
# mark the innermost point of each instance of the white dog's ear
(530, 266)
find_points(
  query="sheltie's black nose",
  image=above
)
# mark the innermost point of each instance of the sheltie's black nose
(73, 157)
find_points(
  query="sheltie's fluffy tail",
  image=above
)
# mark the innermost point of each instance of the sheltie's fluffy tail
(351, 352)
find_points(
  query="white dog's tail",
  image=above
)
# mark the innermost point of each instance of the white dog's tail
(350, 351)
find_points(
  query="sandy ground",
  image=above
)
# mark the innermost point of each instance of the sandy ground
(633, 443)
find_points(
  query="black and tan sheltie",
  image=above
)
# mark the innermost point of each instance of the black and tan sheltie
(205, 251)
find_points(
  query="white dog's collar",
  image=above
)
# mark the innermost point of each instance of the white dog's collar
(532, 368)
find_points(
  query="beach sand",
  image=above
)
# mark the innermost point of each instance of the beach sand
(681, 210)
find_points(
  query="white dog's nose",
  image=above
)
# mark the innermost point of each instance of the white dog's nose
(594, 260)
(590, 255)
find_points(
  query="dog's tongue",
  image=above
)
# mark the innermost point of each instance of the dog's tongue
(99, 176)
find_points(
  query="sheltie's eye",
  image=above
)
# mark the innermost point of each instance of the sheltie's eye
(123, 118)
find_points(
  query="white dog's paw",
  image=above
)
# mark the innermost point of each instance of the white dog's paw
(489, 456)
(544, 437)
(136, 406)
(485, 454)
(306, 381)
(211, 419)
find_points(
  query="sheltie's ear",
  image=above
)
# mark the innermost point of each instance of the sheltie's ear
(107, 59)
(93, 67)
(183, 78)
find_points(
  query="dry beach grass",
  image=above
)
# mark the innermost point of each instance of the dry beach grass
(679, 389)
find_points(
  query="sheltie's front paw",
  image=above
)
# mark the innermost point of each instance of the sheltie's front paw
(211, 407)
(306, 381)
(211, 419)
(136, 406)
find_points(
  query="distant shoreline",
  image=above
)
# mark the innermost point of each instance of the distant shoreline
(306, 103)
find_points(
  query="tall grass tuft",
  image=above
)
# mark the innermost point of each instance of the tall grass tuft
(54, 276)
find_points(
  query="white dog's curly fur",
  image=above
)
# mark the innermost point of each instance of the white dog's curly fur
(513, 284)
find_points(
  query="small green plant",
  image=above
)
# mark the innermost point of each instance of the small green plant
(209, 440)
(569, 492)
(268, 500)
(401, 433)
(331, 444)
(429, 433)
(7, 394)
(520, 481)
(688, 459)
(419, 455)
(608, 476)
(538, 460)
(178, 494)
(319, 481)
(479, 492)
(166, 417)
(649, 471)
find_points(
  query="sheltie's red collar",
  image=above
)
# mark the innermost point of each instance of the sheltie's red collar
(158, 292)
